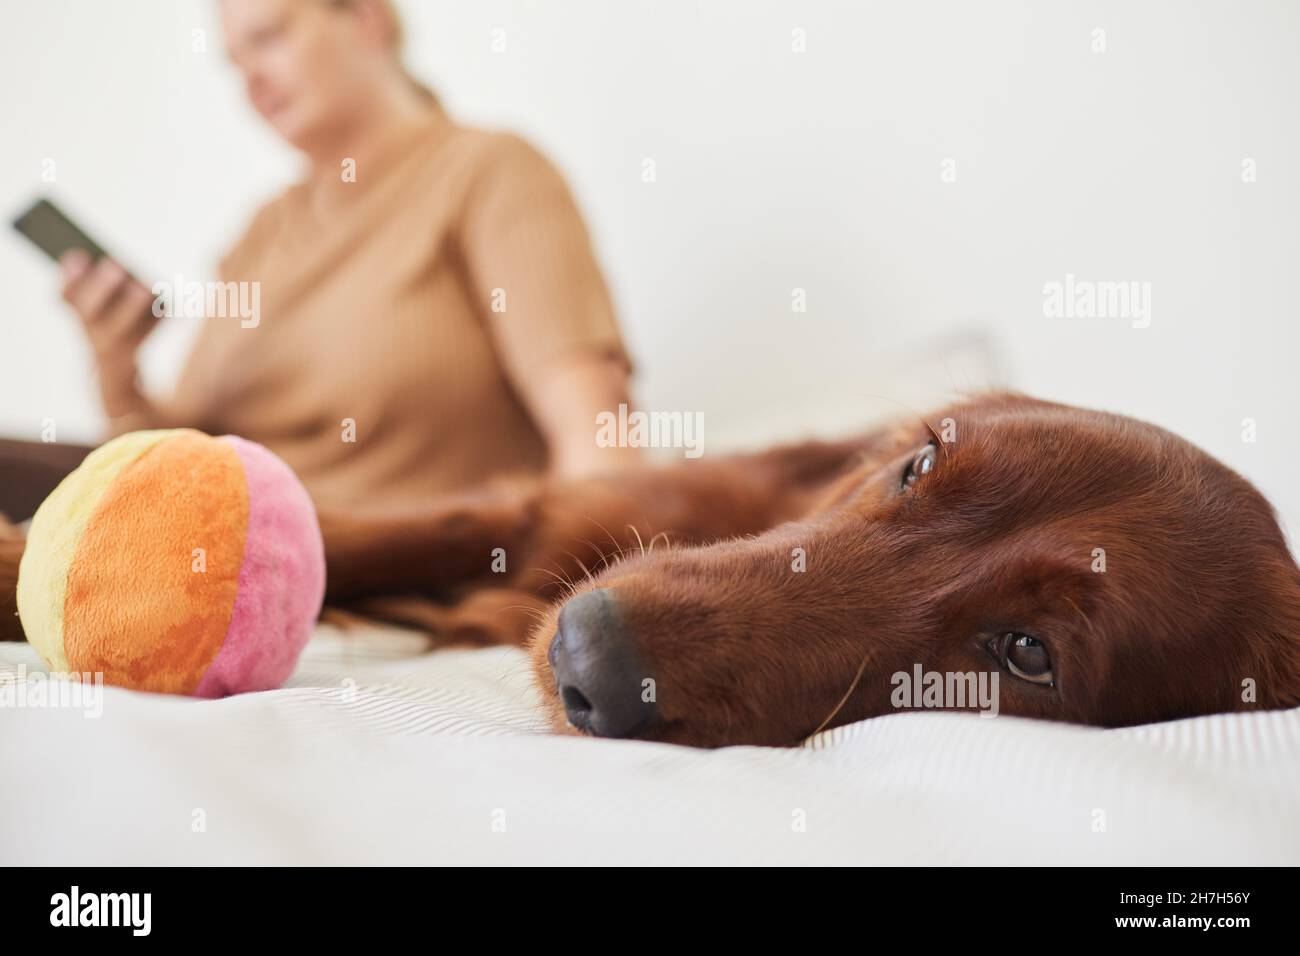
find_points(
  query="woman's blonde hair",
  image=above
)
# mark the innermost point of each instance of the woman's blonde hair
(396, 42)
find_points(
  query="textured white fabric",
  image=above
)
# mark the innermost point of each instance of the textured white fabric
(378, 753)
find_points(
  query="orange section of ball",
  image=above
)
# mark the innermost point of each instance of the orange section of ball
(181, 556)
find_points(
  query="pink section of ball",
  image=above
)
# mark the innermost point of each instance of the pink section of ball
(281, 582)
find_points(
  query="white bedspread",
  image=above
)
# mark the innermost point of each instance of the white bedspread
(378, 753)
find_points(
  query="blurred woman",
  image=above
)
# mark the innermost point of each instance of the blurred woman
(431, 312)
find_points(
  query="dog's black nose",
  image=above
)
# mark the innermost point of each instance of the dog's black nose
(598, 670)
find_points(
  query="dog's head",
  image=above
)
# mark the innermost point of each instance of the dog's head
(1010, 555)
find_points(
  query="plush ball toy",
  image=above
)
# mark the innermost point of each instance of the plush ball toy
(176, 562)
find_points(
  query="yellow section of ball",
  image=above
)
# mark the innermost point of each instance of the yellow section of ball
(56, 531)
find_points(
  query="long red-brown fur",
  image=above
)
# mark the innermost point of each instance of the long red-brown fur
(1197, 609)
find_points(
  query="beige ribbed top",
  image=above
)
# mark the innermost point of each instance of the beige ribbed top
(455, 267)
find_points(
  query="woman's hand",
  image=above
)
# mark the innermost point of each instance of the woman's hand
(117, 314)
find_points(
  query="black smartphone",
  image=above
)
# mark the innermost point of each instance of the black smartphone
(54, 233)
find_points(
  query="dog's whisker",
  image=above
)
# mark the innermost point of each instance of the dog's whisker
(617, 544)
(939, 442)
(585, 569)
(538, 614)
(638, 537)
(862, 669)
(567, 587)
(605, 555)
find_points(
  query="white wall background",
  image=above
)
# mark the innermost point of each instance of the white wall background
(776, 170)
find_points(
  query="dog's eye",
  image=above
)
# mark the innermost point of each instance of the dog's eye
(922, 463)
(1024, 657)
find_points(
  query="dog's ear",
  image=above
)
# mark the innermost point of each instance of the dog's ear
(1277, 643)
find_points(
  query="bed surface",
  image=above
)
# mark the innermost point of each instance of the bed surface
(376, 752)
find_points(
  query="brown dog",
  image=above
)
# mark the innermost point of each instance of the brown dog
(1105, 570)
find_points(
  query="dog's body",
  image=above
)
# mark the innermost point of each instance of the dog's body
(1105, 571)
(1108, 572)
